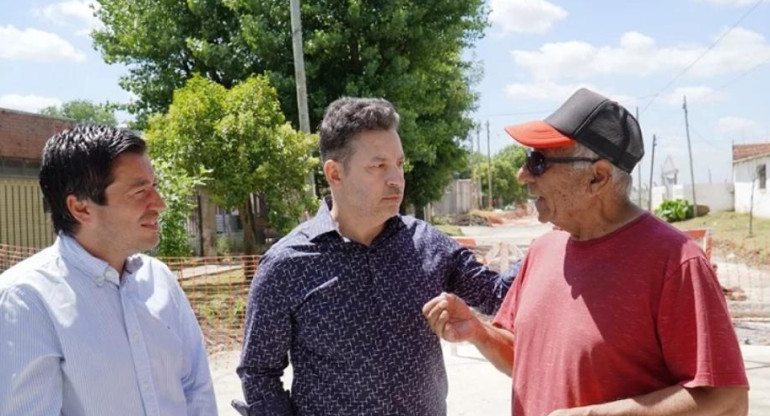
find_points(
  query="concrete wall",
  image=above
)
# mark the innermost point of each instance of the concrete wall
(458, 198)
(717, 196)
(744, 174)
(658, 196)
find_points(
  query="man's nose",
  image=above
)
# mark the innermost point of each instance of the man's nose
(396, 178)
(157, 202)
(524, 176)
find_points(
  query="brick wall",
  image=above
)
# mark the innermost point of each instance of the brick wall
(23, 135)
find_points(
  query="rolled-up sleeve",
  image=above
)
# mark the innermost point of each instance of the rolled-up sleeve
(267, 340)
(30, 357)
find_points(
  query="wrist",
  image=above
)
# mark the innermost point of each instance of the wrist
(479, 332)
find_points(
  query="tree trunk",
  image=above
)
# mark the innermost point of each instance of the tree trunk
(419, 211)
(249, 243)
(260, 220)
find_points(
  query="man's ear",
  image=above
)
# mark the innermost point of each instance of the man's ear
(602, 176)
(333, 173)
(80, 209)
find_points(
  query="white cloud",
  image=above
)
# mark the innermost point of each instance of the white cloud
(542, 91)
(74, 13)
(729, 125)
(729, 2)
(525, 16)
(36, 46)
(698, 94)
(558, 93)
(30, 103)
(639, 55)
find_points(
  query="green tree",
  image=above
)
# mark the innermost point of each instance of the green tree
(409, 52)
(177, 187)
(84, 111)
(506, 189)
(241, 138)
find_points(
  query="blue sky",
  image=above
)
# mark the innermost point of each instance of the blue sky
(644, 54)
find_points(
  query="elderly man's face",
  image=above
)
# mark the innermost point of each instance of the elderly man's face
(560, 192)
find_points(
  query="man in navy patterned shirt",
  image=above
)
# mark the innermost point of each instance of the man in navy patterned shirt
(342, 293)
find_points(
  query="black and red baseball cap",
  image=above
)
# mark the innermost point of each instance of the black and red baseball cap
(592, 120)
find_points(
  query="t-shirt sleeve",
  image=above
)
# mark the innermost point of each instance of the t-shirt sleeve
(696, 334)
(507, 313)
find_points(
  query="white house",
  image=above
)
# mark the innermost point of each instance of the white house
(750, 163)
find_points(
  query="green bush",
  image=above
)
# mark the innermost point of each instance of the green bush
(223, 246)
(675, 210)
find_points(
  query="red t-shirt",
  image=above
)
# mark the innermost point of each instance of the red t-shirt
(623, 315)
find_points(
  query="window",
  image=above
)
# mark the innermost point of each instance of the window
(762, 176)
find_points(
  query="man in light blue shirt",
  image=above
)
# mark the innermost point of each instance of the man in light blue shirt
(88, 326)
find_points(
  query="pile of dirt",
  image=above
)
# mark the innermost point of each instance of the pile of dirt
(464, 220)
(518, 211)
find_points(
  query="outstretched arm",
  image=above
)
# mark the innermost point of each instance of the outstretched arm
(450, 318)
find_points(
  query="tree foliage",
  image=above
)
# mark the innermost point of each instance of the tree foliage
(241, 138)
(177, 186)
(506, 189)
(84, 111)
(409, 52)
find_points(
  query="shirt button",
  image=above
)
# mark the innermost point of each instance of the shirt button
(135, 336)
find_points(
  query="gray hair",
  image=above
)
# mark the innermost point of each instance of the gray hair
(622, 181)
(348, 116)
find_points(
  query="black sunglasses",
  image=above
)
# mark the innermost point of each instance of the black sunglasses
(537, 162)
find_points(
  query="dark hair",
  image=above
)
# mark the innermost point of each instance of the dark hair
(348, 116)
(79, 162)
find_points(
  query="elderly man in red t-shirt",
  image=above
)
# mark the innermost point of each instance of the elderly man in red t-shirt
(617, 312)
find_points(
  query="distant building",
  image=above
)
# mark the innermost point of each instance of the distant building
(750, 163)
(23, 135)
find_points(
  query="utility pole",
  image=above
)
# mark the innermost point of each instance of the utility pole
(639, 170)
(689, 150)
(751, 207)
(299, 77)
(489, 167)
(652, 168)
(480, 199)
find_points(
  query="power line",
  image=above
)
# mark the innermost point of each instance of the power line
(703, 138)
(743, 74)
(712, 46)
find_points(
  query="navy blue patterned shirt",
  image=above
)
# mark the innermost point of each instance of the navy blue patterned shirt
(350, 317)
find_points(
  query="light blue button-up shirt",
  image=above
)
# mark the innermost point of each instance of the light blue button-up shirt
(76, 339)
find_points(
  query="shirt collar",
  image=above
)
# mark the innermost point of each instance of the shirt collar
(323, 223)
(95, 268)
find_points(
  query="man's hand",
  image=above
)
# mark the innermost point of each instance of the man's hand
(450, 318)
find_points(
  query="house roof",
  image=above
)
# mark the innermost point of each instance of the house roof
(748, 151)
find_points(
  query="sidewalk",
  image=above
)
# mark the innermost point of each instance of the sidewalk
(476, 388)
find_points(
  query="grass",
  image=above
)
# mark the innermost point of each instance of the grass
(730, 234)
(450, 230)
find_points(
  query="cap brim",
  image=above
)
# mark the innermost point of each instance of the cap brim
(538, 134)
